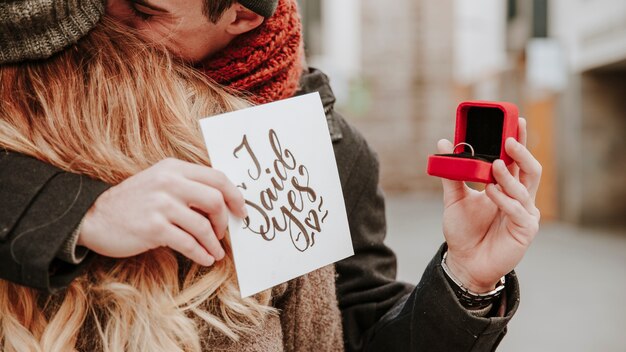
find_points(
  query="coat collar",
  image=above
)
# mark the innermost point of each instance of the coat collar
(314, 80)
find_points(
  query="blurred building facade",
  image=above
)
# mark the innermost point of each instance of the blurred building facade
(399, 70)
(592, 109)
(567, 71)
(398, 89)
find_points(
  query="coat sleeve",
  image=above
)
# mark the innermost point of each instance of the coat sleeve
(41, 207)
(380, 313)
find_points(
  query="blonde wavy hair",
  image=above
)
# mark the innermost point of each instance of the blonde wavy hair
(109, 107)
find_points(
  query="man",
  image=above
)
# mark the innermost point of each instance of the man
(248, 47)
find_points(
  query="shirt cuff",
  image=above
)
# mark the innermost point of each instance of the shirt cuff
(70, 252)
(481, 313)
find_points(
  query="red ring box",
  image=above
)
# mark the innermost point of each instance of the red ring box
(485, 126)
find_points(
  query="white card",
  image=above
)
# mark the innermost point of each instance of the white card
(281, 157)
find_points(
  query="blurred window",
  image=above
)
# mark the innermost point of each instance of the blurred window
(311, 11)
(511, 10)
(540, 18)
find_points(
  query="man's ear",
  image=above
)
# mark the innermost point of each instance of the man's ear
(243, 20)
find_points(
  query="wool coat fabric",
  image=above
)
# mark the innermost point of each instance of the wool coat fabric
(39, 210)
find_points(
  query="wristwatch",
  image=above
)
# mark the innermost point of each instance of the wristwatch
(468, 298)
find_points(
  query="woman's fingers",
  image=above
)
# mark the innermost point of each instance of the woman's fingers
(207, 200)
(231, 194)
(183, 243)
(452, 190)
(164, 205)
(530, 168)
(214, 179)
(199, 227)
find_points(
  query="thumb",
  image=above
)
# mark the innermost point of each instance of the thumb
(445, 146)
(452, 190)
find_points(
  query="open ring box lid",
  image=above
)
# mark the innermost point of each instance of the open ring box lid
(485, 126)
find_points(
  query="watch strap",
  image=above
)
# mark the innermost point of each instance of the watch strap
(467, 298)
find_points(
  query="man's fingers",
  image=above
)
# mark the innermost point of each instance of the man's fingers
(508, 205)
(215, 179)
(186, 245)
(522, 134)
(445, 146)
(519, 216)
(452, 190)
(511, 185)
(198, 227)
(521, 137)
(530, 168)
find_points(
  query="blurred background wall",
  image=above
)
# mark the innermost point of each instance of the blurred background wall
(400, 68)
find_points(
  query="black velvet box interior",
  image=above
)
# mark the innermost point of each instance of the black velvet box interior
(483, 131)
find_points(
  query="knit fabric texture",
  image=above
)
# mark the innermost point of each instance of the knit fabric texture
(31, 30)
(265, 63)
(309, 320)
(264, 8)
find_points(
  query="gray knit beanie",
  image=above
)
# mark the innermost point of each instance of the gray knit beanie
(37, 29)
(264, 8)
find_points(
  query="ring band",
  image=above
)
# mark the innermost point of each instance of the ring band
(463, 143)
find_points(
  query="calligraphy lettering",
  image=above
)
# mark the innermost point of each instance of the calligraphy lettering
(288, 204)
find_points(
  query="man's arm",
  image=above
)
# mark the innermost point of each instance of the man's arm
(41, 208)
(432, 319)
(380, 313)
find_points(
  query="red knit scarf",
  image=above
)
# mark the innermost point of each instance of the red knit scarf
(265, 63)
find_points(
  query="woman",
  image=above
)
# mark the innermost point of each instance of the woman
(109, 107)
